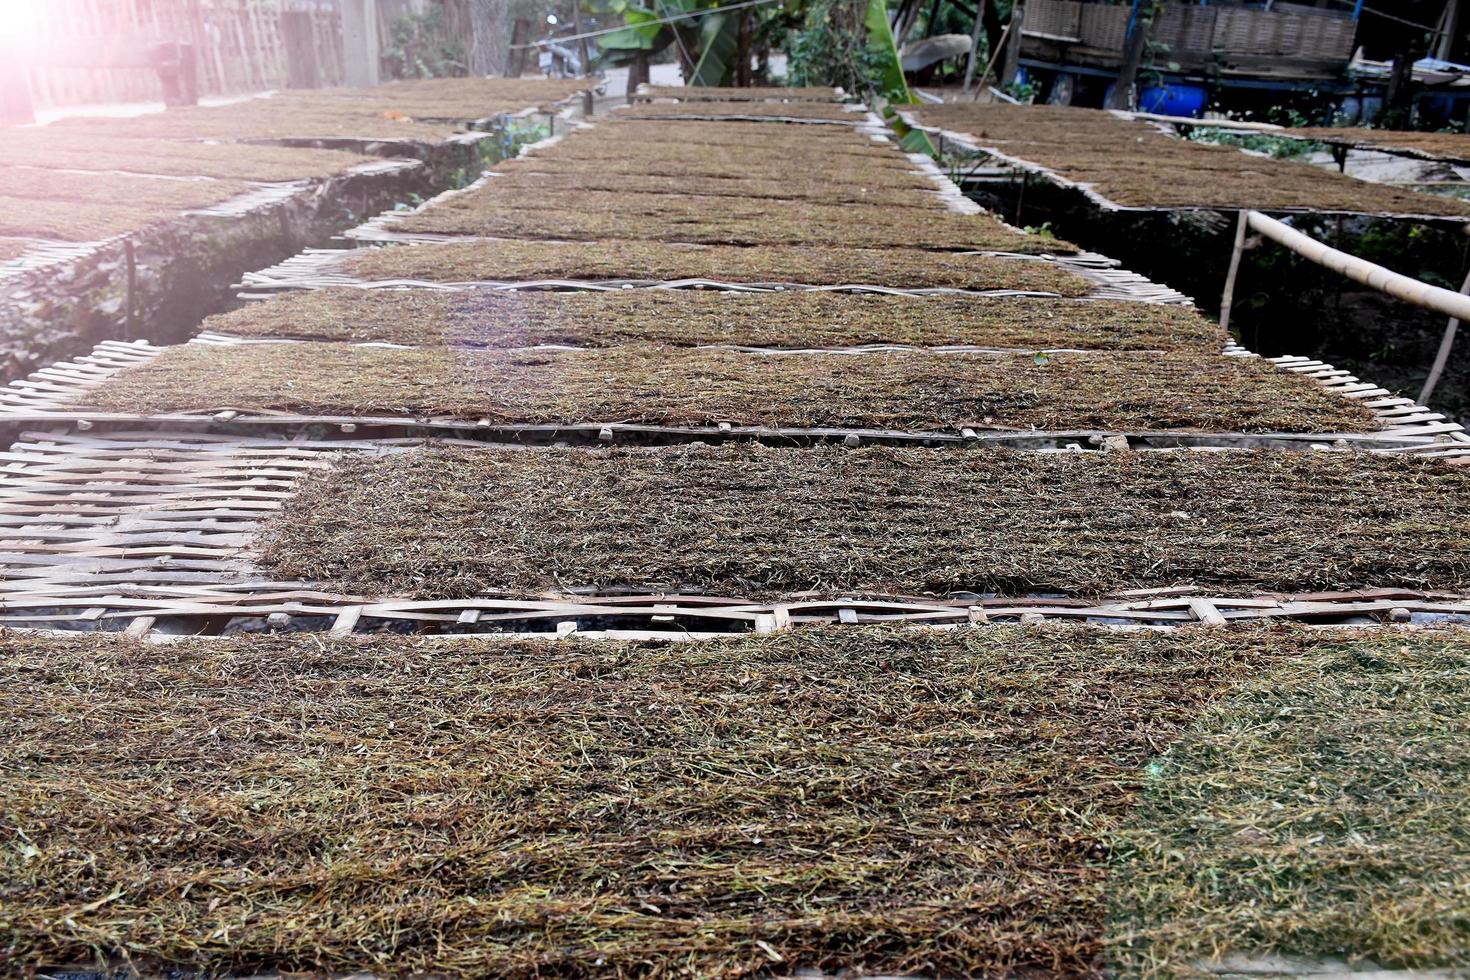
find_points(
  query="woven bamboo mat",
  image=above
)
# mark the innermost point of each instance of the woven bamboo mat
(971, 144)
(52, 395)
(148, 531)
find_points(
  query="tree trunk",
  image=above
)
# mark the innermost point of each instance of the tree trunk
(1123, 96)
(490, 36)
(742, 50)
(1012, 61)
(975, 33)
(1398, 101)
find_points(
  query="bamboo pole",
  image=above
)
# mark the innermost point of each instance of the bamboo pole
(1000, 47)
(1251, 127)
(1227, 298)
(1409, 290)
(1442, 356)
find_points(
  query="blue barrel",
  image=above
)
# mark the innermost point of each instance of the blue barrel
(1174, 99)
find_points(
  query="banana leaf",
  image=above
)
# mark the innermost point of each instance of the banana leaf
(641, 34)
(719, 39)
(880, 42)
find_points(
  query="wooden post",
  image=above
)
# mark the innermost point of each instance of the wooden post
(1013, 49)
(1227, 298)
(975, 31)
(990, 65)
(520, 38)
(1442, 356)
(301, 65)
(360, 41)
(637, 74)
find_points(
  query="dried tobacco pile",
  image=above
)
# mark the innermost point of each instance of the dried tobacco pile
(772, 155)
(508, 259)
(463, 99)
(881, 800)
(754, 521)
(512, 212)
(1447, 146)
(702, 109)
(1135, 165)
(1323, 810)
(399, 111)
(896, 390)
(162, 193)
(687, 317)
(266, 119)
(56, 148)
(566, 189)
(30, 217)
(774, 163)
(730, 133)
(699, 93)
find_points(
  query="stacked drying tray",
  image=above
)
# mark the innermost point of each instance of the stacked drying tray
(113, 224)
(717, 366)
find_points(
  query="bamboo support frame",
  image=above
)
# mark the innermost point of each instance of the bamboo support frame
(1402, 287)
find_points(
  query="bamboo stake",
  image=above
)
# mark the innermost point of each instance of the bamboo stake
(1443, 355)
(1000, 46)
(1227, 299)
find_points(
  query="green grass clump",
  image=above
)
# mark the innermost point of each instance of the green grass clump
(1323, 811)
(881, 800)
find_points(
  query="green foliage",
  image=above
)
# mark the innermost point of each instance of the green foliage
(830, 49)
(420, 47)
(509, 137)
(1022, 91)
(880, 40)
(719, 41)
(1274, 146)
(641, 34)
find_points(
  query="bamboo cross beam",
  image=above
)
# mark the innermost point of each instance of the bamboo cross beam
(1436, 298)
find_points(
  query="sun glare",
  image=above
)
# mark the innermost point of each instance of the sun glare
(17, 23)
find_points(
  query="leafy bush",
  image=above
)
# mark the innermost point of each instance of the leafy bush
(420, 47)
(831, 49)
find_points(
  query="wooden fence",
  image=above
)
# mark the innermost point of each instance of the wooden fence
(239, 45)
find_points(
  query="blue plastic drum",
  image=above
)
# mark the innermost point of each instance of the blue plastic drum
(1173, 99)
